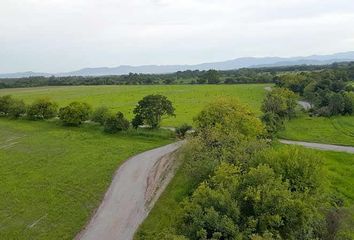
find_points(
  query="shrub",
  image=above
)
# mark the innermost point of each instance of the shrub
(258, 202)
(5, 103)
(42, 109)
(116, 123)
(100, 115)
(75, 113)
(280, 101)
(137, 121)
(17, 109)
(227, 116)
(151, 109)
(272, 122)
(182, 130)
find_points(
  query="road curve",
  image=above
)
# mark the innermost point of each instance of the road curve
(320, 146)
(135, 187)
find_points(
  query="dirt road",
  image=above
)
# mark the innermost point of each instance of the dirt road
(320, 146)
(135, 187)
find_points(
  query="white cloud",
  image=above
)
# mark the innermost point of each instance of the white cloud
(61, 35)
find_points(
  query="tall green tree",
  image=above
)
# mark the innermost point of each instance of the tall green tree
(151, 109)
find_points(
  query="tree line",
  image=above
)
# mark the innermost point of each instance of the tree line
(329, 92)
(148, 112)
(343, 71)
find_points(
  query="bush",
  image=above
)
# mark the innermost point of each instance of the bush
(100, 115)
(116, 123)
(227, 116)
(182, 130)
(42, 109)
(151, 109)
(257, 202)
(280, 101)
(75, 113)
(301, 168)
(17, 109)
(5, 103)
(272, 122)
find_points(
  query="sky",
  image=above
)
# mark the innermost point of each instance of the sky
(65, 35)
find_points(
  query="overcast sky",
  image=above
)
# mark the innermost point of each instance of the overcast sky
(65, 35)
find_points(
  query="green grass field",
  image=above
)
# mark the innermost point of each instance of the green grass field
(335, 130)
(53, 177)
(164, 216)
(187, 99)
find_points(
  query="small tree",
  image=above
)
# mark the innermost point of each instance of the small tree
(75, 113)
(42, 109)
(151, 109)
(280, 101)
(100, 115)
(182, 130)
(5, 103)
(17, 108)
(116, 123)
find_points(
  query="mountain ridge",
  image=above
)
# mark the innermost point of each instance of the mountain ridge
(243, 62)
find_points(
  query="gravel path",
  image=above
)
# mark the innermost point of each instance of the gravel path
(320, 146)
(136, 186)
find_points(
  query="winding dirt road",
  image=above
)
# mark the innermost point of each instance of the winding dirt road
(320, 146)
(136, 186)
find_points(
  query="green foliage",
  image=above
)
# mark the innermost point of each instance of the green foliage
(17, 108)
(226, 131)
(327, 90)
(151, 109)
(273, 123)
(301, 168)
(280, 101)
(117, 123)
(348, 103)
(100, 115)
(212, 77)
(236, 205)
(182, 130)
(5, 102)
(74, 114)
(42, 108)
(137, 121)
(226, 116)
(278, 105)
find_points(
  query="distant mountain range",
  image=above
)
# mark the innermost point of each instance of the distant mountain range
(247, 62)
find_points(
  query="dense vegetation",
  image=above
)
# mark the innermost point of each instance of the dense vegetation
(345, 71)
(236, 186)
(329, 91)
(278, 105)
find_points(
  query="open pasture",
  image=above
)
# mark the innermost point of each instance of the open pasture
(335, 130)
(187, 99)
(53, 177)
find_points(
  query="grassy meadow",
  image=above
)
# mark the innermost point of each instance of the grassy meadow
(335, 130)
(52, 177)
(187, 99)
